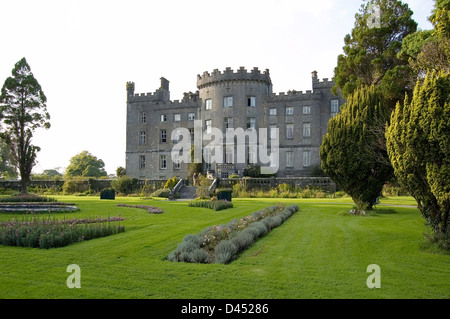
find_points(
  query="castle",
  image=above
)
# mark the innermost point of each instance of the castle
(228, 100)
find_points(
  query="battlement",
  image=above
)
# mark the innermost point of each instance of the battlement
(321, 84)
(294, 96)
(230, 75)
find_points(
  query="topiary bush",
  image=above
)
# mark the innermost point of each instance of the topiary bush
(108, 193)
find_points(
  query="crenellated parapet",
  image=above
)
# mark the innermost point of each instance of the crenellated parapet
(323, 84)
(228, 74)
(293, 96)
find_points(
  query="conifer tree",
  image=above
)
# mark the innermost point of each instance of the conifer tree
(22, 110)
(370, 51)
(351, 152)
(418, 144)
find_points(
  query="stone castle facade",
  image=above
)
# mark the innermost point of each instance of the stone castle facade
(228, 100)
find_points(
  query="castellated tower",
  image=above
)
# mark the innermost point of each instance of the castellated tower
(231, 100)
(228, 100)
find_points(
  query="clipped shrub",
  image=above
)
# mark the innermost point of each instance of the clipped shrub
(162, 192)
(242, 240)
(224, 252)
(108, 193)
(199, 256)
(194, 239)
(224, 194)
(211, 204)
(222, 243)
(260, 228)
(187, 246)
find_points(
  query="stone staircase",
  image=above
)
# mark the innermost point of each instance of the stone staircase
(187, 192)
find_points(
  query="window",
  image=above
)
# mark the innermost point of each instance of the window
(306, 158)
(228, 101)
(273, 112)
(177, 117)
(141, 161)
(208, 104)
(163, 136)
(334, 105)
(191, 116)
(252, 154)
(273, 131)
(306, 129)
(289, 110)
(176, 136)
(306, 110)
(142, 118)
(176, 165)
(162, 162)
(229, 154)
(251, 122)
(289, 130)
(228, 123)
(163, 117)
(289, 159)
(191, 132)
(208, 126)
(141, 137)
(251, 101)
(207, 157)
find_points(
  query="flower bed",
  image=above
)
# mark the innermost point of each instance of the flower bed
(29, 203)
(51, 232)
(150, 209)
(221, 244)
(211, 204)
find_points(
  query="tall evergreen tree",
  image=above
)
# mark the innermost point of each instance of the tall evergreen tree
(418, 144)
(22, 110)
(370, 51)
(351, 152)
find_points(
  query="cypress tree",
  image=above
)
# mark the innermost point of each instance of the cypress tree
(418, 144)
(353, 153)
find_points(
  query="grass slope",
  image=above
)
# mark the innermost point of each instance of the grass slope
(316, 253)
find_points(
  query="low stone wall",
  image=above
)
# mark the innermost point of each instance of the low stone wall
(95, 185)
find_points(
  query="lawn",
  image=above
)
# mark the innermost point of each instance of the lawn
(319, 252)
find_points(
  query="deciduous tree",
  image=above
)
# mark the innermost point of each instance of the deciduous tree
(86, 164)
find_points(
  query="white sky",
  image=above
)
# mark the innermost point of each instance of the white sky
(83, 52)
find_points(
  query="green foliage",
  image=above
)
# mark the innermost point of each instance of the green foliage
(352, 151)
(22, 110)
(108, 193)
(430, 49)
(50, 233)
(7, 168)
(85, 164)
(28, 198)
(171, 182)
(418, 143)
(121, 171)
(125, 185)
(162, 192)
(224, 194)
(211, 204)
(221, 244)
(76, 186)
(194, 168)
(370, 52)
